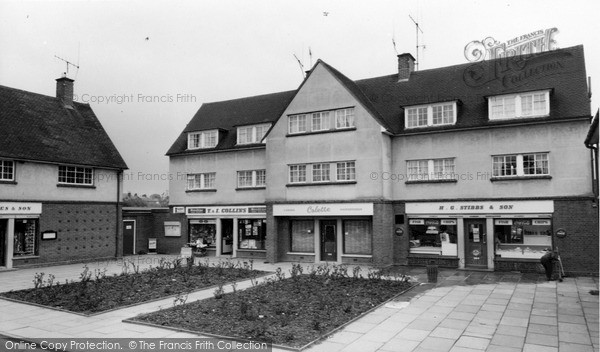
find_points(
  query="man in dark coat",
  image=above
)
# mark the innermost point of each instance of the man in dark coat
(547, 261)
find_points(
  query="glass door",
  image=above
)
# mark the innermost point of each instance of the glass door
(475, 244)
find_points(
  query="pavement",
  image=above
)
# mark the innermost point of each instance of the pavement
(464, 311)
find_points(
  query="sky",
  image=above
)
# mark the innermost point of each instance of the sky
(146, 67)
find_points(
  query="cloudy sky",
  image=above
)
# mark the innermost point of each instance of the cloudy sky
(147, 66)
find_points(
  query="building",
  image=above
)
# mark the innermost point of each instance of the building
(475, 166)
(60, 180)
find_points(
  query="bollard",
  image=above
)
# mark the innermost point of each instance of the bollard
(432, 272)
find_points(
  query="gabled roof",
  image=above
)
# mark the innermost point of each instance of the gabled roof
(39, 128)
(560, 71)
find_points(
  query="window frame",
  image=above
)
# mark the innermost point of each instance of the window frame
(322, 167)
(520, 168)
(253, 134)
(322, 121)
(346, 171)
(254, 178)
(518, 105)
(430, 174)
(4, 167)
(300, 169)
(204, 179)
(202, 138)
(300, 120)
(77, 170)
(347, 117)
(426, 112)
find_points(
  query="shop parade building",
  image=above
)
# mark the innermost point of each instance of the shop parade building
(476, 166)
(60, 185)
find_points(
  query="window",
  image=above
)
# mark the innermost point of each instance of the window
(344, 118)
(75, 175)
(252, 233)
(297, 124)
(204, 139)
(201, 181)
(522, 238)
(252, 134)
(432, 169)
(534, 164)
(530, 104)
(7, 170)
(26, 237)
(431, 115)
(302, 236)
(357, 236)
(251, 178)
(321, 173)
(204, 230)
(172, 229)
(320, 121)
(433, 236)
(297, 173)
(346, 171)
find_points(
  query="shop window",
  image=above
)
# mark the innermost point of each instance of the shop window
(252, 233)
(7, 170)
(205, 230)
(357, 237)
(75, 175)
(433, 236)
(26, 237)
(302, 236)
(522, 238)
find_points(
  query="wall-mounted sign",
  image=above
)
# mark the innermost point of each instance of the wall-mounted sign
(483, 207)
(49, 235)
(561, 233)
(416, 222)
(172, 229)
(227, 210)
(324, 209)
(16, 208)
(504, 222)
(152, 244)
(529, 43)
(178, 210)
(399, 231)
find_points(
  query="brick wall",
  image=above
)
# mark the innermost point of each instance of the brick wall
(150, 224)
(85, 232)
(383, 233)
(401, 247)
(579, 249)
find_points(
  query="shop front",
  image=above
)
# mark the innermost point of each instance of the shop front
(237, 231)
(480, 235)
(325, 232)
(19, 232)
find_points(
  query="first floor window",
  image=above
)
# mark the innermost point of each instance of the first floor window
(297, 124)
(26, 237)
(320, 172)
(357, 236)
(201, 181)
(7, 170)
(522, 238)
(75, 175)
(320, 121)
(302, 236)
(344, 118)
(432, 169)
(251, 178)
(252, 233)
(533, 164)
(431, 235)
(346, 171)
(297, 173)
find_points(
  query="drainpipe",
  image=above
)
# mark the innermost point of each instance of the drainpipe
(118, 224)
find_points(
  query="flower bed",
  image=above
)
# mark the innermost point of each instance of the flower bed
(291, 312)
(97, 292)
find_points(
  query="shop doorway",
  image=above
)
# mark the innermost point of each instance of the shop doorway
(128, 237)
(475, 244)
(329, 240)
(3, 225)
(226, 236)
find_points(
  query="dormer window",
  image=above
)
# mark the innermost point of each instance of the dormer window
(203, 139)
(522, 105)
(252, 134)
(431, 115)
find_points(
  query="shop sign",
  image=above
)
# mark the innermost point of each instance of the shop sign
(325, 209)
(226, 210)
(483, 207)
(561, 233)
(448, 222)
(20, 208)
(541, 222)
(416, 222)
(178, 210)
(506, 222)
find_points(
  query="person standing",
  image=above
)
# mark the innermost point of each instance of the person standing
(547, 261)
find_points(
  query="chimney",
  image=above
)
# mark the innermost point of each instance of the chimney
(64, 90)
(406, 65)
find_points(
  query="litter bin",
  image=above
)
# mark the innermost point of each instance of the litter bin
(432, 271)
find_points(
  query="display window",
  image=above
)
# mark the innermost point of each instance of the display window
(522, 238)
(252, 233)
(433, 236)
(205, 230)
(357, 237)
(26, 237)
(302, 236)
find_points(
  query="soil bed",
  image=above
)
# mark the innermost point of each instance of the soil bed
(290, 312)
(109, 292)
